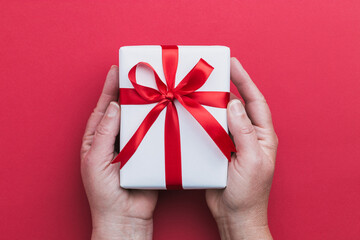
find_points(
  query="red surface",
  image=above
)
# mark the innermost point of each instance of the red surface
(304, 56)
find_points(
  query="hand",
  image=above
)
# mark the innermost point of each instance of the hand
(240, 209)
(117, 213)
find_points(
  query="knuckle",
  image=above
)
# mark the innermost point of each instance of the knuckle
(87, 139)
(89, 159)
(247, 129)
(83, 151)
(86, 143)
(256, 166)
(276, 140)
(92, 121)
(86, 160)
(262, 99)
(258, 162)
(96, 111)
(263, 166)
(269, 171)
(96, 114)
(102, 130)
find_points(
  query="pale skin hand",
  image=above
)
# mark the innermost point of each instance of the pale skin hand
(240, 209)
(117, 213)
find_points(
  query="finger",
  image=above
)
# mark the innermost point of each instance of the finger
(255, 103)
(109, 93)
(102, 148)
(241, 128)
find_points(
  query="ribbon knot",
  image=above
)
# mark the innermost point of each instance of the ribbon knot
(165, 96)
(169, 95)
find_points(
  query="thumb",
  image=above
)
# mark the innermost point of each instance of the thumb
(102, 148)
(241, 128)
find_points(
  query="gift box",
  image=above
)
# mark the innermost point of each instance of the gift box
(173, 129)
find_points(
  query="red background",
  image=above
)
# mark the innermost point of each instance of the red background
(303, 55)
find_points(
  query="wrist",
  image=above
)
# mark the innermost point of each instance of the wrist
(244, 226)
(121, 227)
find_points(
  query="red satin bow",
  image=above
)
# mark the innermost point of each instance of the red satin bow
(185, 93)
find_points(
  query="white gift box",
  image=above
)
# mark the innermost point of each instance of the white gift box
(203, 165)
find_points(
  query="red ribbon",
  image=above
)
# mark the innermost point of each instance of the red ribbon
(192, 101)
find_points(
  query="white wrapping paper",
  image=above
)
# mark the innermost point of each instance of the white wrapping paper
(203, 164)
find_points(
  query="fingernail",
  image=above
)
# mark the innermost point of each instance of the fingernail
(236, 107)
(113, 67)
(235, 59)
(112, 109)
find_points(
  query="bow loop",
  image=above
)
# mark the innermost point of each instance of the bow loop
(149, 94)
(195, 78)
